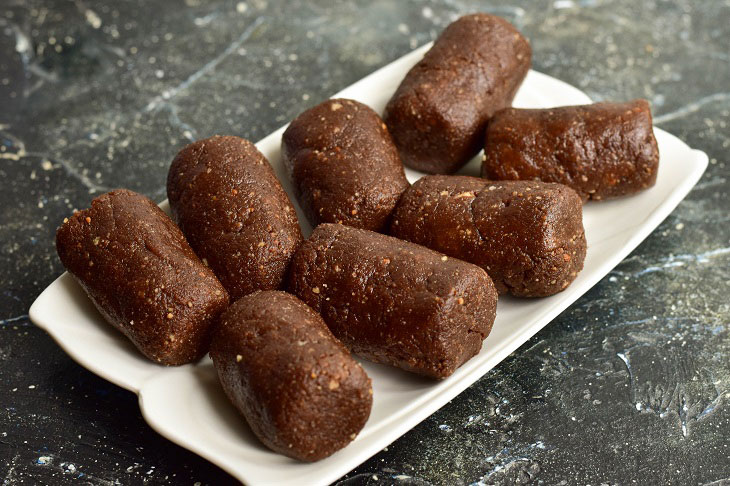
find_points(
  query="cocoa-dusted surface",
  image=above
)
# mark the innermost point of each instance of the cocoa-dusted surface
(603, 150)
(395, 302)
(138, 270)
(343, 165)
(299, 389)
(438, 115)
(527, 235)
(233, 211)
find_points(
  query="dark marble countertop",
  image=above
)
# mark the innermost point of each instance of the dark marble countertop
(630, 384)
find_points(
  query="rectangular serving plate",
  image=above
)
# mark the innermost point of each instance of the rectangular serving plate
(187, 405)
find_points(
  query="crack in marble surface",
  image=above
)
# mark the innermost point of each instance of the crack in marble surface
(692, 107)
(10, 141)
(14, 320)
(21, 152)
(677, 396)
(674, 261)
(207, 68)
(83, 178)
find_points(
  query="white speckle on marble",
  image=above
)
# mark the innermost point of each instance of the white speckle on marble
(43, 460)
(561, 4)
(92, 18)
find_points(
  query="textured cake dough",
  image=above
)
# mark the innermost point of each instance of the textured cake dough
(299, 389)
(395, 302)
(438, 115)
(343, 165)
(137, 268)
(233, 211)
(527, 235)
(602, 151)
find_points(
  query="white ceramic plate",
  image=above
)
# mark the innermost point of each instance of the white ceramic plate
(187, 405)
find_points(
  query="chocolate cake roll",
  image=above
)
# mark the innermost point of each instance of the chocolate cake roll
(138, 270)
(394, 302)
(602, 151)
(527, 235)
(297, 386)
(343, 165)
(438, 115)
(233, 211)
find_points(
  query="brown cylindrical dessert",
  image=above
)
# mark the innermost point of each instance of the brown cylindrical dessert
(603, 150)
(395, 302)
(138, 270)
(438, 115)
(527, 235)
(343, 165)
(233, 211)
(297, 386)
